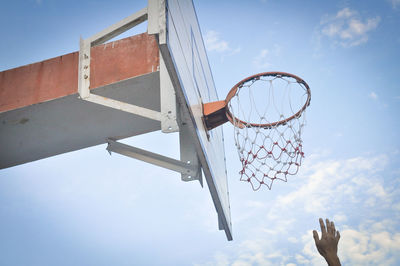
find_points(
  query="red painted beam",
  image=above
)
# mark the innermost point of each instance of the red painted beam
(58, 77)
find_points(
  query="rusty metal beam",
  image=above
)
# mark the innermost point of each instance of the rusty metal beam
(58, 77)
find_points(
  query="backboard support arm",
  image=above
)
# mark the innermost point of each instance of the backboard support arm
(185, 168)
(189, 165)
(84, 66)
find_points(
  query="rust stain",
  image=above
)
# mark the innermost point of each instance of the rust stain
(129, 57)
(58, 77)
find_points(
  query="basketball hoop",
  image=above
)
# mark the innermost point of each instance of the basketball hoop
(268, 114)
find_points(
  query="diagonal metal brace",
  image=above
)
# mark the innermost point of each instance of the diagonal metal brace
(153, 158)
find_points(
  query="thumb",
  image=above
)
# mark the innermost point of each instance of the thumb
(316, 237)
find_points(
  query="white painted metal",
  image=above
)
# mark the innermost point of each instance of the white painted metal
(153, 158)
(168, 101)
(126, 107)
(153, 16)
(118, 28)
(188, 153)
(99, 38)
(157, 19)
(84, 66)
(84, 69)
(186, 59)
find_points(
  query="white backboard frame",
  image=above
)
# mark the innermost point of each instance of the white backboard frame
(183, 51)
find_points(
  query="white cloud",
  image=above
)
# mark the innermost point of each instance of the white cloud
(395, 3)
(221, 259)
(363, 247)
(347, 29)
(309, 254)
(301, 260)
(340, 218)
(263, 59)
(213, 42)
(373, 95)
(396, 207)
(366, 246)
(351, 191)
(345, 13)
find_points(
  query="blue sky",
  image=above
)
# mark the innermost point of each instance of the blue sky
(89, 208)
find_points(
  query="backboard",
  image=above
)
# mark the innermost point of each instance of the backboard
(185, 56)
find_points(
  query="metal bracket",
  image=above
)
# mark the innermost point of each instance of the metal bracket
(188, 150)
(189, 166)
(169, 122)
(153, 158)
(84, 66)
(214, 114)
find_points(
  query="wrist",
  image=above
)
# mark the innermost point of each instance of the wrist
(332, 260)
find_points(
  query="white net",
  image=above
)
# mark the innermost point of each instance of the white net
(269, 114)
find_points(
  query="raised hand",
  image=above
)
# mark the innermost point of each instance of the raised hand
(327, 245)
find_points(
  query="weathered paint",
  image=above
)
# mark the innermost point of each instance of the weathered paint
(58, 77)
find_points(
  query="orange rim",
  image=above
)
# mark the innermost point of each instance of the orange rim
(242, 124)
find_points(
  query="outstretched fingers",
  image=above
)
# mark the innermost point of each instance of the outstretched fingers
(328, 244)
(316, 237)
(323, 229)
(328, 226)
(337, 236)
(333, 229)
